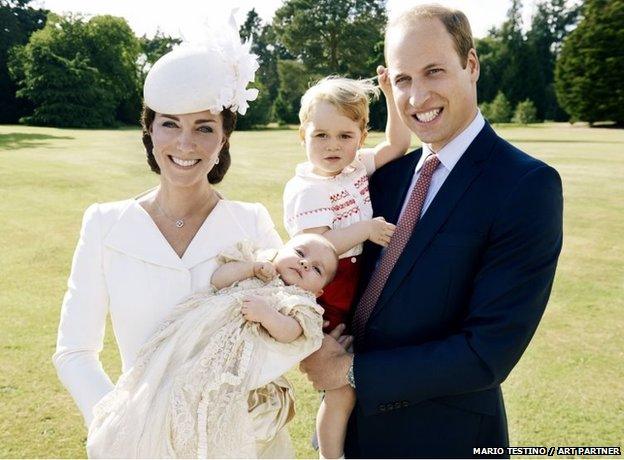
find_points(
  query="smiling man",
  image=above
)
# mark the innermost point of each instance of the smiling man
(448, 308)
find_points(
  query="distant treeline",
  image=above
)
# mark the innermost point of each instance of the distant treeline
(88, 72)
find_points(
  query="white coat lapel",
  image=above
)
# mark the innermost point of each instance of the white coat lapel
(211, 238)
(136, 235)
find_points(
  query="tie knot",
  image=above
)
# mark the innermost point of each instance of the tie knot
(430, 164)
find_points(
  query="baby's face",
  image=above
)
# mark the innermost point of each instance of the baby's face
(306, 262)
(331, 139)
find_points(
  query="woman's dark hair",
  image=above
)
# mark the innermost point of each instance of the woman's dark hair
(218, 171)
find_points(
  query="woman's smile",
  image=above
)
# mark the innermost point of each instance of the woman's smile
(183, 164)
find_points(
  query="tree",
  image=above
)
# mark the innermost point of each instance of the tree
(113, 49)
(523, 66)
(88, 105)
(343, 37)
(515, 79)
(490, 52)
(549, 26)
(505, 59)
(525, 112)
(153, 49)
(332, 36)
(294, 81)
(17, 22)
(76, 67)
(588, 74)
(266, 45)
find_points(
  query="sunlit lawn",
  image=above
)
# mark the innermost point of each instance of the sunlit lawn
(567, 390)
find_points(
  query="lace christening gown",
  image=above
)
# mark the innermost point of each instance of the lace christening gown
(208, 384)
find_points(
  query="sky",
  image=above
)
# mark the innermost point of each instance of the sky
(185, 18)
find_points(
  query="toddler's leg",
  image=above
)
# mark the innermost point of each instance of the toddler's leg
(331, 421)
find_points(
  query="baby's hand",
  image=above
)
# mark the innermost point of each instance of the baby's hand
(256, 309)
(264, 271)
(380, 231)
(384, 81)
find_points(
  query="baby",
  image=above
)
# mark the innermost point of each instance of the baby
(308, 262)
(209, 382)
(329, 196)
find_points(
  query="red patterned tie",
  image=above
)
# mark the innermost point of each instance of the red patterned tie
(398, 241)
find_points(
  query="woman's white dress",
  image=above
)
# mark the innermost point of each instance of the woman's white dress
(208, 384)
(123, 266)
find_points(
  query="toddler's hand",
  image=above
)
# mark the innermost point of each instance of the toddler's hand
(381, 231)
(256, 309)
(264, 271)
(384, 81)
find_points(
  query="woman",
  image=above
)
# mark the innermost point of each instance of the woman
(138, 258)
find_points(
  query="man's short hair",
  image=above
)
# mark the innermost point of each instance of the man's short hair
(455, 22)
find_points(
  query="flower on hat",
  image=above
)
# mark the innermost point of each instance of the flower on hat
(243, 63)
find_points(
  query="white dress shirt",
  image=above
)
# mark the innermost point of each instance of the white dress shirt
(448, 155)
(124, 266)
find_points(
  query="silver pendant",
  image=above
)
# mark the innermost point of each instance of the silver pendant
(179, 223)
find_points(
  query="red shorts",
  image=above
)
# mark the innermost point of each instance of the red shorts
(337, 298)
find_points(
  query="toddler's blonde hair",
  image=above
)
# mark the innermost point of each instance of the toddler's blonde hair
(349, 96)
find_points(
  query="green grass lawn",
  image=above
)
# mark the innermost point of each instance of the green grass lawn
(568, 389)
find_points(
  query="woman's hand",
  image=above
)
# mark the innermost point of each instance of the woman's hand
(256, 309)
(380, 231)
(264, 271)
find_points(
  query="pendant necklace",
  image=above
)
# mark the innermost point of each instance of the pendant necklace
(178, 222)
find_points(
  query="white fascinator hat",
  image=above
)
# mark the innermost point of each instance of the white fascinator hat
(212, 75)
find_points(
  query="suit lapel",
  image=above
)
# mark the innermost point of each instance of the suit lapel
(463, 174)
(387, 202)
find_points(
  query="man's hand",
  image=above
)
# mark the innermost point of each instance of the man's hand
(264, 271)
(256, 309)
(327, 367)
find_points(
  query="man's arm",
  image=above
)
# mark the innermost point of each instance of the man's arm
(509, 295)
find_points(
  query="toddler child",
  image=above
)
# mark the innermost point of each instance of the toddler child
(209, 382)
(329, 195)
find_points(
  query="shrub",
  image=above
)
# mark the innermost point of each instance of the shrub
(499, 109)
(525, 113)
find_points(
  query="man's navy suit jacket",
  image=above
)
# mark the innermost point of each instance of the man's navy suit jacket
(460, 306)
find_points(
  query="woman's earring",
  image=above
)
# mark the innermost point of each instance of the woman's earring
(217, 162)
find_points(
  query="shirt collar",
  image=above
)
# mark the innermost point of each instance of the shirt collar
(450, 154)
